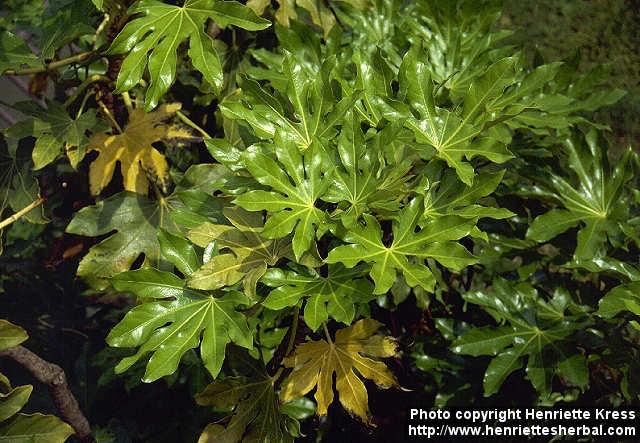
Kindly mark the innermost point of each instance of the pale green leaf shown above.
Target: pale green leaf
(34, 428)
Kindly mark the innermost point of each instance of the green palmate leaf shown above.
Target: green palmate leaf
(575, 371)
(409, 248)
(450, 137)
(334, 296)
(12, 402)
(623, 298)
(501, 367)
(55, 131)
(34, 428)
(15, 54)
(178, 251)
(315, 110)
(297, 181)
(464, 56)
(11, 335)
(456, 136)
(446, 195)
(535, 330)
(160, 31)
(596, 201)
(459, 36)
(18, 186)
(485, 341)
(135, 220)
(320, 14)
(205, 177)
(64, 22)
(243, 253)
(570, 93)
(192, 203)
(362, 183)
(607, 265)
(486, 91)
(256, 412)
(176, 320)
(374, 77)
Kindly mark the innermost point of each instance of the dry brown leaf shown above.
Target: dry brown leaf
(134, 151)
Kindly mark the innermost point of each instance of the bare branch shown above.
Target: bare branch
(53, 376)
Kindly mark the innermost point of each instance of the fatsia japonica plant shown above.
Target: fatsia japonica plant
(283, 208)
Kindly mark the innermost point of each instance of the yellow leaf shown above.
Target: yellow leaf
(315, 362)
(286, 12)
(244, 253)
(258, 6)
(320, 14)
(134, 151)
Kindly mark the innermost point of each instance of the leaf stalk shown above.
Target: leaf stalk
(76, 58)
(15, 217)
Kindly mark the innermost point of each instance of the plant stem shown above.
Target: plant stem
(326, 332)
(82, 86)
(77, 58)
(127, 101)
(34, 204)
(101, 27)
(293, 331)
(190, 122)
(84, 102)
(108, 113)
(53, 376)
(158, 193)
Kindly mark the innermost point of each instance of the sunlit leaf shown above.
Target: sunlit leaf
(315, 362)
(296, 181)
(409, 249)
(11, 335)
(153, 38)
(173, 320)
(243, 253)
(134, 151)
(335, 295)
(595, 200)
(35, 428)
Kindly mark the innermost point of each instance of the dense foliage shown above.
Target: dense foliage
(281, 209)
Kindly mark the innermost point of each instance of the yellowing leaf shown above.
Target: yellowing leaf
(286, 12)
(258, 6)
(244, 254)
(315, 362)
(133, 149)
(11, 335)
(320, 14)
